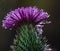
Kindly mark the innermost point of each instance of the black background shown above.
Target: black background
(52, 31)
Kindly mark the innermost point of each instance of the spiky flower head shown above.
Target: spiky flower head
(24, 15)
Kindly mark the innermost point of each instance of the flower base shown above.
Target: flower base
(27, 40)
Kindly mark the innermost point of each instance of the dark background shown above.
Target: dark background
(52, 31)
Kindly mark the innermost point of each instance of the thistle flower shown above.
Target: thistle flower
(24, 15)
(24, 40)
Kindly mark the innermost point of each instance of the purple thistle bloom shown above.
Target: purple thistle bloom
(24, 15)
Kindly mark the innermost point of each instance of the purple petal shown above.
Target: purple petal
(24, 15)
